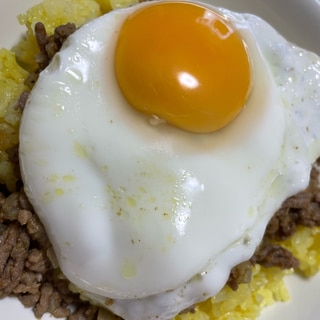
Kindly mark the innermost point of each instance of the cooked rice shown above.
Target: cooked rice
(267, 285)
(12, 78)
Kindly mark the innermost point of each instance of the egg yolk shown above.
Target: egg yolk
(183, 63)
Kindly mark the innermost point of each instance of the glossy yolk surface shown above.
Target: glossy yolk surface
(183, 63)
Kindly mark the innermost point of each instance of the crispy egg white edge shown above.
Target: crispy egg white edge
(216, 270)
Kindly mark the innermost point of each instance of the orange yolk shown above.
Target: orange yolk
(183, 63)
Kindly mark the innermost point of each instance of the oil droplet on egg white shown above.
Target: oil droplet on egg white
(128, 270)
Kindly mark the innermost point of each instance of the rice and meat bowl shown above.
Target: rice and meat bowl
(303, 217)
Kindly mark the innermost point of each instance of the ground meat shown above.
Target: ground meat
(29, 82)
(273, 255)
(25, 268)
(50, 45)
(301, 209)
(242, 273)
(23, 98)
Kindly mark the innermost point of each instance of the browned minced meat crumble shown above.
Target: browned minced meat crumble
(27, 264)
(28, 267)
(48, 47)
(302, 209)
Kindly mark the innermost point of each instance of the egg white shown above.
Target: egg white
(149, 215)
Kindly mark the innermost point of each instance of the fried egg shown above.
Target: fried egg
(155, 168)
